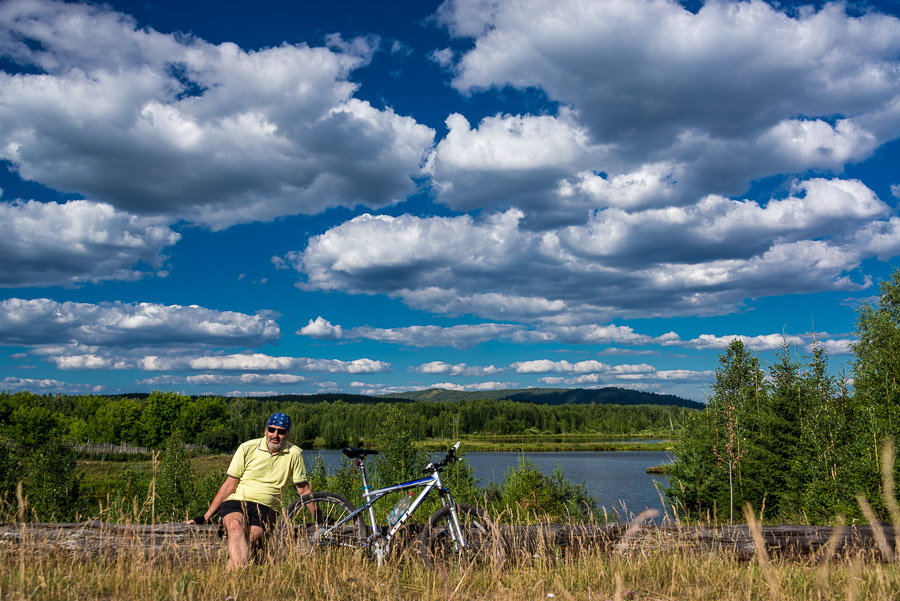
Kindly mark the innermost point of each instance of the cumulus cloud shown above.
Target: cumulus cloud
(593, 334)
(458, 369)
(274, 379)
(65, 244)
(766, 342)
(253, 368)
(321, 329)
(263, 362)
(443, 57)
(718, 115)
(44, 321)
(702, 259)
(642, 379)
(171, 125)
(510, 160)
(44, 385)
(474, 387)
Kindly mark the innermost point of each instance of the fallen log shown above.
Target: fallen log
(177, 540)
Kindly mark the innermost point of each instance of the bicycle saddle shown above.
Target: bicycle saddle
(353, 452)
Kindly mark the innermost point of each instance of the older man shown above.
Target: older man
(249, 498)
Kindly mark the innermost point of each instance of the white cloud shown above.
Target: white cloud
(44, 385)
(766, 342)
(480, 386)
(321, 329)
(274, 379)
(263, 362)
(176, 126)
(508, 161)
(836, 347)
(469, 335)
(443, 57)
(53, 244)
(43, 321)
(458, 369)
(614, 62)
(702, 259)
(644, 380)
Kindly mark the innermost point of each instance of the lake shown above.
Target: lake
(616, 479)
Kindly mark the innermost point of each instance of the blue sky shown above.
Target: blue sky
(379, 197)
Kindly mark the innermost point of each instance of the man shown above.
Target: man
(259, 472)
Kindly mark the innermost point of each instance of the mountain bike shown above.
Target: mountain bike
(454, 530)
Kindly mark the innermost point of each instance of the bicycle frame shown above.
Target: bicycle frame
(432, 482)
(428, 484)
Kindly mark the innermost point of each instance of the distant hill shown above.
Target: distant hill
(556, 396)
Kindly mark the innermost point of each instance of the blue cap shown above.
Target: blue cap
(279, 420)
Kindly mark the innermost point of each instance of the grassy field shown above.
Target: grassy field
(102, 477)
(185, 573)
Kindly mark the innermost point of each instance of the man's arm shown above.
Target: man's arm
(303, 488)
(225, 490)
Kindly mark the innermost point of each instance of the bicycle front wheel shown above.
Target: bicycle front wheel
(482, 538)
(317, 517)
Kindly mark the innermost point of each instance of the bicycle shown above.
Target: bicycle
(456, 529)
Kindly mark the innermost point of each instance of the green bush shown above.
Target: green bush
(220, 440)
(174, 482)
(10, 475)
(528, 494)
(51, 484)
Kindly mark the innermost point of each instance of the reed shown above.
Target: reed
(139, 573)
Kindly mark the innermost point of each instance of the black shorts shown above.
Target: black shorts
(256, 514)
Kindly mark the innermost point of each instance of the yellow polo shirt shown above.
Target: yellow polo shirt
(263, 475)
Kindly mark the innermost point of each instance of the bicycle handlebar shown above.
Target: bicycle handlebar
(448, 458)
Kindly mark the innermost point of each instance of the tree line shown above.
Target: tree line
(792, 439)
(221, 423)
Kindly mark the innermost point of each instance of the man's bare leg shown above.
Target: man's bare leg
(238, 546)
(257, 540)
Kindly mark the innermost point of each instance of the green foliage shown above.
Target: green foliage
(51, 482)
(160, 415)
(116, 420)
(796, 443)
(222, 423)
(219, 440)
(10, 475)
(398, 459)
(174, 482)
(528, 494)
(31, 424)
(204, 491)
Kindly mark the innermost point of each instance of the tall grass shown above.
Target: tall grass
(191, 572)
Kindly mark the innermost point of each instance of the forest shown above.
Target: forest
(796, 442)
(219, 423)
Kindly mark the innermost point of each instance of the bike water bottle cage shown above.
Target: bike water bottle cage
(353, 452)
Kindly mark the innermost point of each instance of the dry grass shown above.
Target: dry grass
(189, 571)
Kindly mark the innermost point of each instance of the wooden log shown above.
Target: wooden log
(97, 538)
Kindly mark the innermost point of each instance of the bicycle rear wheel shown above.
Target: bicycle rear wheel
(483, 541)
(316, 529)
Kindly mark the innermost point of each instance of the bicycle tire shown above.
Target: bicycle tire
(331, 509)
(483, 540)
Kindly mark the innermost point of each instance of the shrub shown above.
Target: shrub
(175, 481)
(51, 484)
(10, 474)
(525, 489)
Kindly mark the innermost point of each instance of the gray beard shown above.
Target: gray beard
(273, 447)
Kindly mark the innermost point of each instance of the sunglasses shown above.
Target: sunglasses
(274, 430)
